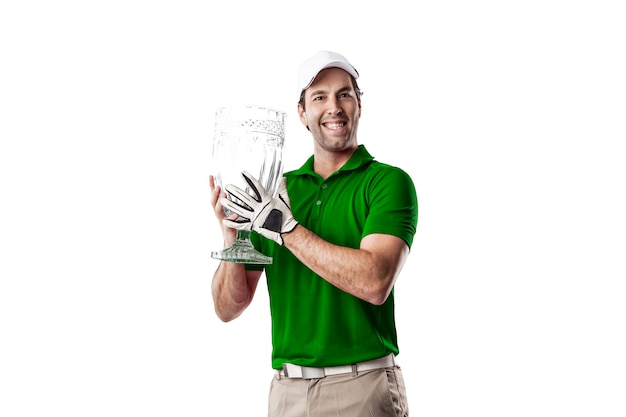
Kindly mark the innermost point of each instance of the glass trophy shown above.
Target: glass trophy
(247, 138)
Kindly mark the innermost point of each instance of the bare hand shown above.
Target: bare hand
(216, 193)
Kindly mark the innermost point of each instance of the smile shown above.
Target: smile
(335, 125)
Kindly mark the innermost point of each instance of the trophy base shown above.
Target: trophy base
(242, 251)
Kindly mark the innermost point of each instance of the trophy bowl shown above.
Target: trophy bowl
(247, 138)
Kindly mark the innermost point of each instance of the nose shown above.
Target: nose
(334, 107)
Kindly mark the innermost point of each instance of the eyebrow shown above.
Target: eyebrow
(341, 90)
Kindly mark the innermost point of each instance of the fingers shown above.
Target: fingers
(216, 195)
(282, 191)
(215, 191)
(230, 222)
(282, 185)
(235, 208)
(241, 195)
(259, 190)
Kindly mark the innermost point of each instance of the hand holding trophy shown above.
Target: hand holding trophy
(247, 139)
(269, 216)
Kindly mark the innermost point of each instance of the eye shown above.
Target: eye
(318, 98)
(344, 95)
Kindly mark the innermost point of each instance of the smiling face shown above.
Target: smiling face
(332, 111)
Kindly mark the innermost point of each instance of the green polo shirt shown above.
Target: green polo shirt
(313, 322)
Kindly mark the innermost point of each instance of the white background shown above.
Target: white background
(508, 115)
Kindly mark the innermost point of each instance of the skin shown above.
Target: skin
(331, 113)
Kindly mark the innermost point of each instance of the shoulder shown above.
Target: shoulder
(383, 173)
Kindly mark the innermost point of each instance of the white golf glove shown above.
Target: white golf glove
(267, 215)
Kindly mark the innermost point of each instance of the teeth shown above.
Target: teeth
(334, 125)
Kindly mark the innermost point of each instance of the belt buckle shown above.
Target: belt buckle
(296, 371)
(292, 371)
(312, 373)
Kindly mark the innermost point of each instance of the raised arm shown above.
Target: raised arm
(233, 287)
(368, 272)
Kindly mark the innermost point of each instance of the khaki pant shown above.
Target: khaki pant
(376, 393)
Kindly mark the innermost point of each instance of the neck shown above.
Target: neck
(326, 162)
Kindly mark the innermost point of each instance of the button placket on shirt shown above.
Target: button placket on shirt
(320, 193)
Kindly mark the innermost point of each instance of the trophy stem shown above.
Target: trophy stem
(242, 251)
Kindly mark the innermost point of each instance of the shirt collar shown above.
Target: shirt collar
(359, 158)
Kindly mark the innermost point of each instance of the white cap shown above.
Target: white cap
(322, 60)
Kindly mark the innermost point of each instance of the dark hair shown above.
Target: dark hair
(357, 90)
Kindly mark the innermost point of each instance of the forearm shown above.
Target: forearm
(231, 290)
(233, 287)
(360, 272)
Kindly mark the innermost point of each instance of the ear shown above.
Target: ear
(302, 115)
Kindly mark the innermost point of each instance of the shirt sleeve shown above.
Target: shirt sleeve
(393, 205)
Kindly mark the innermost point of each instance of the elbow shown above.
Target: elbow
(380, 282)
(227, 315)
(377, 299)
(378, 295)
(379, 289)
(225, 318)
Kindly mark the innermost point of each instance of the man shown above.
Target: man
(339, 232)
